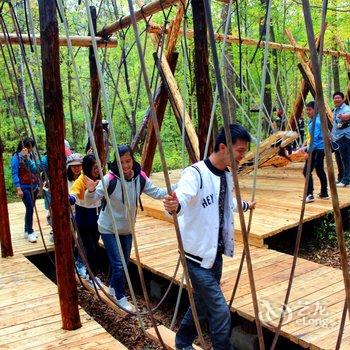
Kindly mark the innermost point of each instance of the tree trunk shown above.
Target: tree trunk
(95, 100)
(54, 117)
(229, 75)
(335, 70)
(267, 94)
(5, 233)
(201, 69)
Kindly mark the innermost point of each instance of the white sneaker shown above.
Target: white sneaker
(32, 237)
(342, 184)
(25, 234)
(309, 198)
(111, 292)
(51, 239)
(81, 269)
(124, 304)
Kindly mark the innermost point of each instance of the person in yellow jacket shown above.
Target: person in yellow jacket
(86, 215)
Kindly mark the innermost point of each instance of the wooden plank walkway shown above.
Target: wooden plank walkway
(29, 306)
(317, 298)
(316, 301)
(21, 245)
(279, 198)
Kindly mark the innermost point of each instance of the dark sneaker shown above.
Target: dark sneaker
(323, 196)
(309, 198)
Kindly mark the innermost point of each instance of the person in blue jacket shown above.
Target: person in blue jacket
(25, 179)
(315, 150)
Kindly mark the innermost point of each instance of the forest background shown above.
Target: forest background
(127, 99)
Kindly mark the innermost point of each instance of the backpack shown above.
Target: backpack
(113, 179)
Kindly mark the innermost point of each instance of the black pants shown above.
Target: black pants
(86, 220)
(317, 157)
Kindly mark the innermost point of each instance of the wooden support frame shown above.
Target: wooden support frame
(80, 41)
(160, 103)
(308, 73)
(146, 11)
(54, 117)
(298, 105)
(5, 233)
(347, 64)
(253, 42)
(191, 139)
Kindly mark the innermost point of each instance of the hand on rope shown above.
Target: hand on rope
(171, 203)
(252, 204)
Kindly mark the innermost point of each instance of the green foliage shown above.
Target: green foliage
(325, 229)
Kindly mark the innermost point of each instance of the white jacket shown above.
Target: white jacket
(198, 195)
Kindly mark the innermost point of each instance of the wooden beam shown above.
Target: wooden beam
(160, 103)
(95, 90)
(308, 72)
(175, 30)
(80, 41)
(178, 103)
(201, 71)
(5, 233)
(54, 117)
(231, 39)
(146, 11)
(347, 64)
(298, 105)
(161, 98)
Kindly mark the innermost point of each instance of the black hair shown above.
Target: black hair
(311, 104)
(122, 150)
(237, 131)
(25, 143)
(338, 93)
(88, 163)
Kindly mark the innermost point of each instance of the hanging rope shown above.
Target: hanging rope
(234, 169)
(165, 170)
(84, 105)
(298, 239)
(256, 158)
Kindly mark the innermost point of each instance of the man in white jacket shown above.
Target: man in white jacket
(205, 204)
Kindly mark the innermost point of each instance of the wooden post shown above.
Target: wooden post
(201, 70)
(160, 104)
(5, 233)
(95, 98)
(53, 104)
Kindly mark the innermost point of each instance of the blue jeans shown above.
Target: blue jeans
(28, 200)
(117, 280)
(210, 305)
(344, 152)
